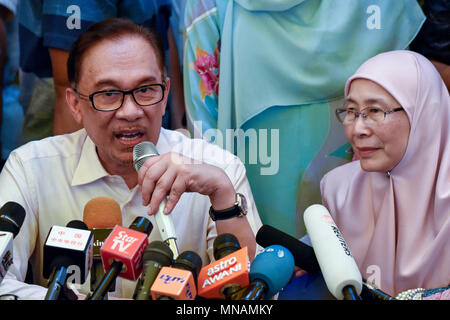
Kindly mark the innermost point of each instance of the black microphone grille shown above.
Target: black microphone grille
(303, 254)
(141, 152)
(225, 244)
(142, 224)
(12, 216)
(158, 251)
(77, 224)
(189, 260)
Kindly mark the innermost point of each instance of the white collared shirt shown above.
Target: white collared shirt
(55, 177)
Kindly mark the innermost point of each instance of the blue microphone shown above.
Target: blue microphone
(270, 271)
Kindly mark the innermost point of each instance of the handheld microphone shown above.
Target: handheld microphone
(66, 248)
(229, 273)
(101, 215)
(270, 271)
(304, 255)
(122, 254)
(156, 255)
(339, 269)
(178, 282)
(141, 152)
(12, 216)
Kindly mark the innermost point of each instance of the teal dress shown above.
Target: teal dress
(263, 78)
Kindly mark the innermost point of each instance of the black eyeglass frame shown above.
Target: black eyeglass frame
(338, 111)
(124, 93)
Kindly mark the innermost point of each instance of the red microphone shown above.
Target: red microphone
(122, 254)
(229, 273)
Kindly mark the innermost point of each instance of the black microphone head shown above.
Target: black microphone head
(12, 216)
(142, 224)
(225, 244)
(77, 224)
(190, 261)
(141, 152)
(159, 252)
(304, 255)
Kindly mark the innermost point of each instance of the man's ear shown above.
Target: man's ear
(166, 96)
(74, 104)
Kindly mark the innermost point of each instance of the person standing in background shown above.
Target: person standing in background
(11, 112)
(264, 78)
(47, 30)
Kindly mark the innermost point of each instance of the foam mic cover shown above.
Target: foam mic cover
(273, 269)
(12, 216)
(338, 267)
(304, 255)
(229, 273)
(156, 255)
(102, 212)
(141, 152)
(225, 244)
(178, 282)
(101, 215)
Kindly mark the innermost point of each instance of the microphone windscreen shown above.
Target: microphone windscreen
(224, 244)
(304, 255)
(190, 261)
(142, 224)
(102, 212)
(159, 252)
(77, 224)
(12, 216)
(337, 264)
(274, 266)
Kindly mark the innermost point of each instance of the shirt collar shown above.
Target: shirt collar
(89, 167)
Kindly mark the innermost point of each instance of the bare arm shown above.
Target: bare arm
(174, 174)
(63, 122)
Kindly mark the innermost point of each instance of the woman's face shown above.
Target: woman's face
(379, 145)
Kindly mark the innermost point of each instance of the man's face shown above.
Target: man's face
(123, 64)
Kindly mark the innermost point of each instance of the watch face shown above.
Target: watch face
(242, 202)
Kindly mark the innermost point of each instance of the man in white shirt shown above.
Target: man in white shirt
(119, 93)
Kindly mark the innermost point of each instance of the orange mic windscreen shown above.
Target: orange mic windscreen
(102, 212)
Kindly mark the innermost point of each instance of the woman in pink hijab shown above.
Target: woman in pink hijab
(393, 205)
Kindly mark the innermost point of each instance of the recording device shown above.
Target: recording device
(141, 152)
(229, 273)
(12, 216)
(66, 250)
(101, 215)
(179, 281)
(122, 254)
(304, 255)
(270, 271)
(156, 256)
(339, 269)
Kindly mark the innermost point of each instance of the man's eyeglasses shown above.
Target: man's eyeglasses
(373, 114)
(110, 100)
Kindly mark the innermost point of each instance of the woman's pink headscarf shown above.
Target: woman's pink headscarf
(398, 227)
